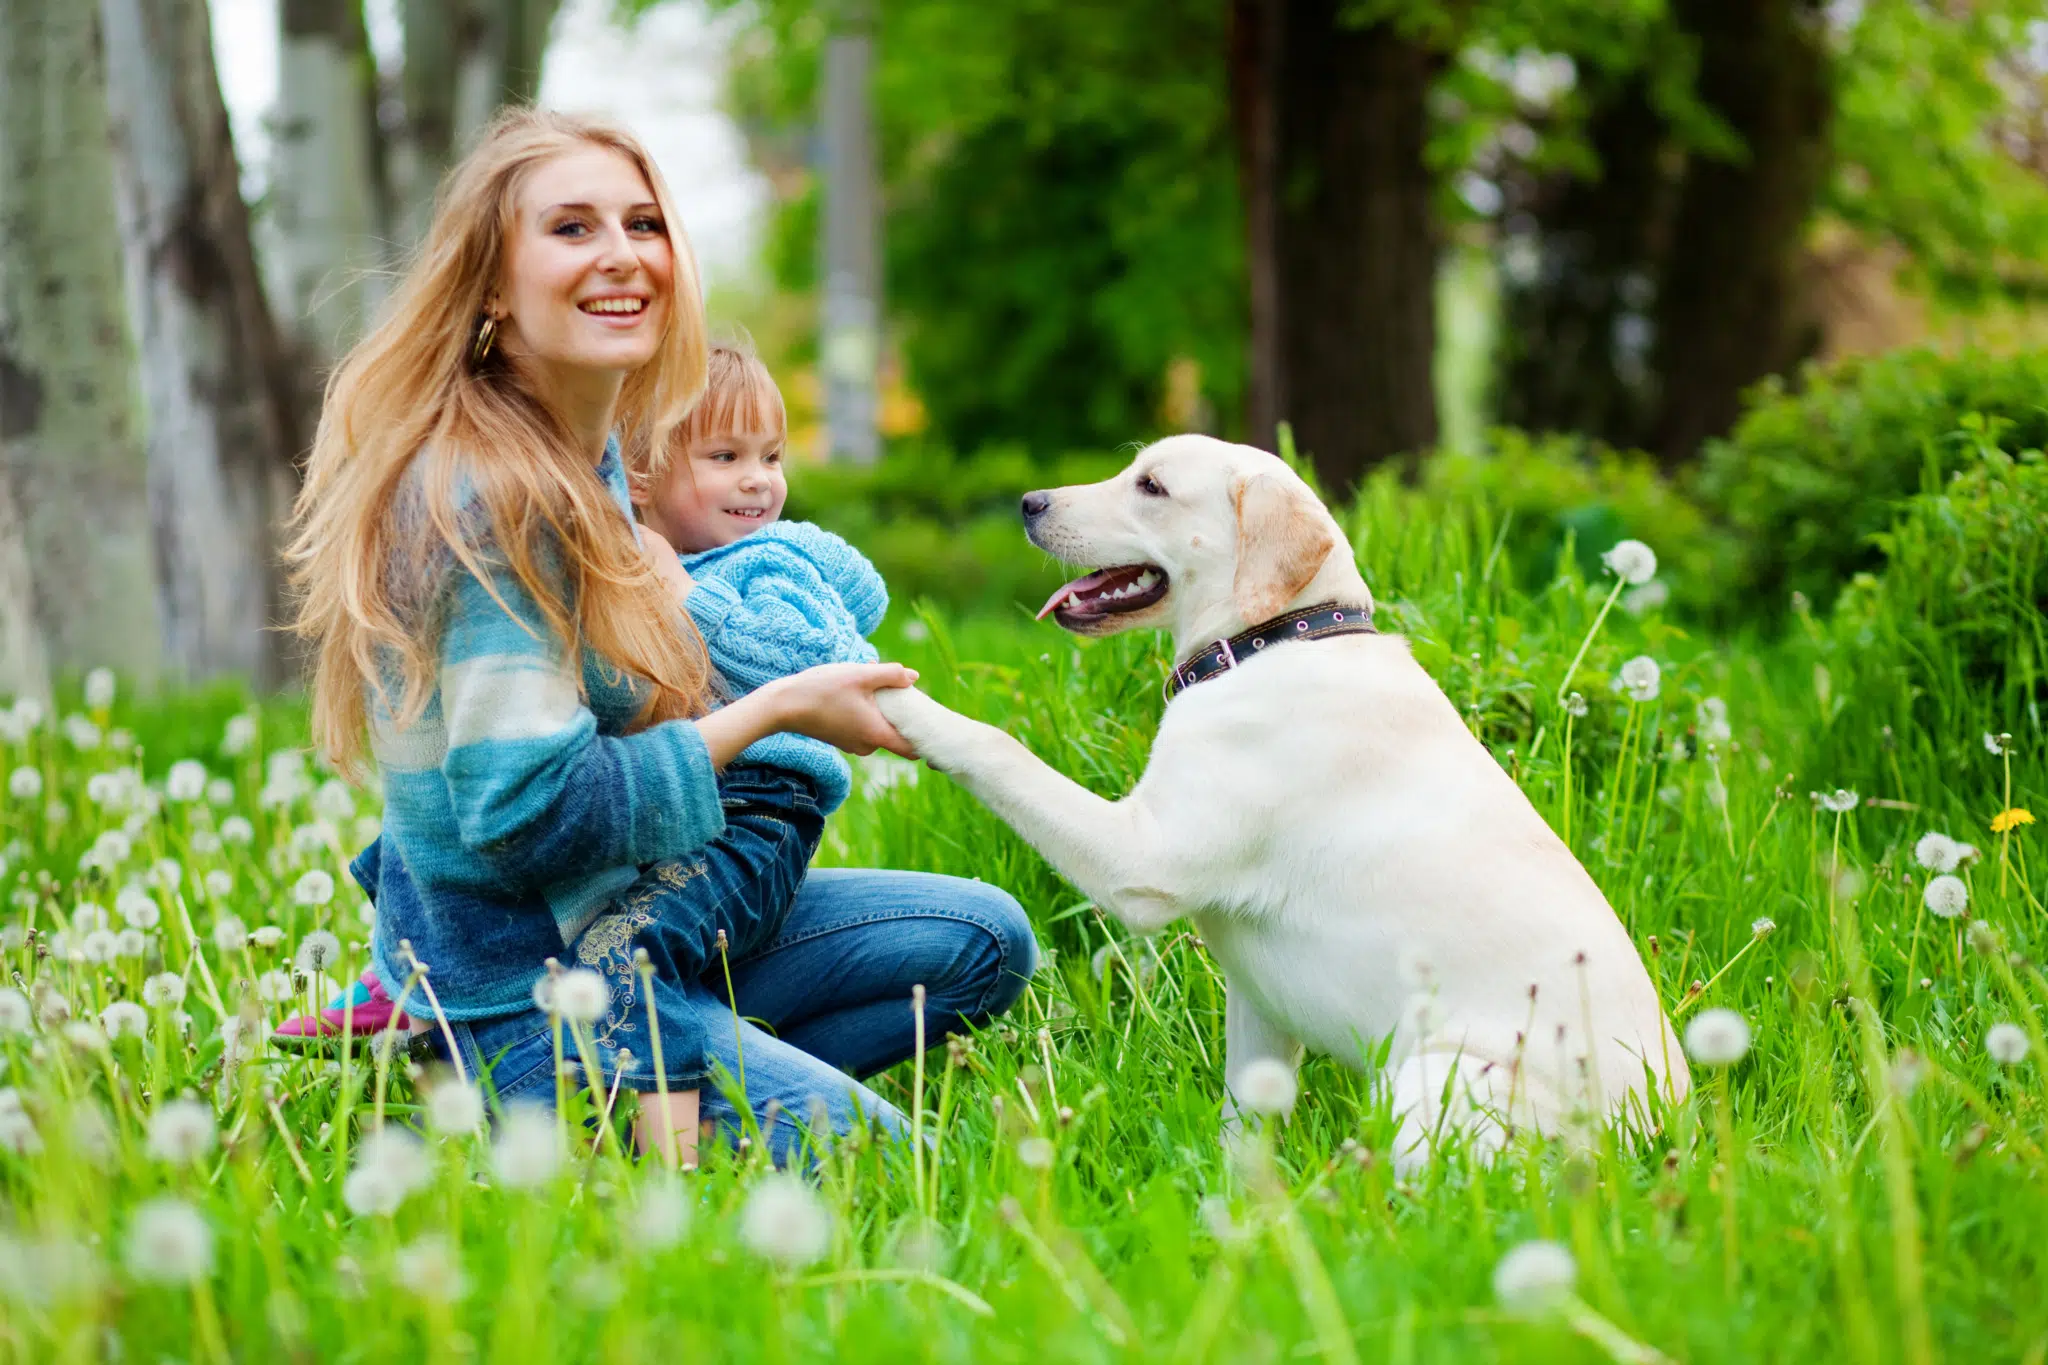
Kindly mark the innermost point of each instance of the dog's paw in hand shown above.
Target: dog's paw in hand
(932, 730)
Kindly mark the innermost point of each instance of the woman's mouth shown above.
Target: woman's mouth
(614, 309)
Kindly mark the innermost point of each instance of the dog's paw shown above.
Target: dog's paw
(938, 734)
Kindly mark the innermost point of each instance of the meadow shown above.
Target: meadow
(1858, 1176)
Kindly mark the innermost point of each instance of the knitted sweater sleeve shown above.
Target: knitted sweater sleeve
(536, 792)
(768, 607)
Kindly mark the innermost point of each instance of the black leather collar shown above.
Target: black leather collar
(1310, 623)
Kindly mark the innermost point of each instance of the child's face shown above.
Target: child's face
(721, 486)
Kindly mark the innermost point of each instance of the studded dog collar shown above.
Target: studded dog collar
(1310, 623)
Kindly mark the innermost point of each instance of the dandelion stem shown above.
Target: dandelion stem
(917, 1103)
(1587, 643)
(739, 1046)
(665, 1140)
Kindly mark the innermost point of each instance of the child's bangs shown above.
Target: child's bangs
(742, 399)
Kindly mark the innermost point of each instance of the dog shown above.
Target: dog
(1371, 882)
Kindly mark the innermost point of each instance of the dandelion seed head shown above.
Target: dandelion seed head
(1535, 1277)
(275, 987)
(1575, 705)
(220, 792)
(661, 1218)
(138, 907)
(83, 734)
(318, 951)
(219, 882)
(186, 781)
(1998, 746)
(1840, 801)
(25, 783)
(784, 1221)
(169, 1242)
(431, 1269)
(16, 1014)
(99, 946)
(1937, 852)
(1646, 597)
(2007, 1043)
(1907, 1070)
(230, 935)
(1036, 1153)
(239, 736)
(130, 944)
(454, 1108)
(1946, 896)
(181, 1131)
(1760, 927)
(1717, 1037)
(314, 888)
(581, 996)
(529, 1148)
(267, 935)
(165, 990)
(390, 1165)
(125, 1019)
(1631, 561)
(1711, 716)
(1266, 1085)
(1640, 678)
(237, 830)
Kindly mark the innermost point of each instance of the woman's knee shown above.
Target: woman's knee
(1012, 947)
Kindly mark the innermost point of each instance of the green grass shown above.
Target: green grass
(1866, 1185)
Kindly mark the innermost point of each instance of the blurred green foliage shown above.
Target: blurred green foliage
(1812, 473)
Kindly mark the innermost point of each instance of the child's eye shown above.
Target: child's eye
(723, 456)
(772, 457)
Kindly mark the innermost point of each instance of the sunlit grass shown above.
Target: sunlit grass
(1866, 1182)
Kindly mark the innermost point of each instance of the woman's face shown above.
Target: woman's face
(589, 276)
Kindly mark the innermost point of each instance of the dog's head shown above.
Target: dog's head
(1199, 537)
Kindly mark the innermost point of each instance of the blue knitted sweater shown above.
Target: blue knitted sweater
(776, 602)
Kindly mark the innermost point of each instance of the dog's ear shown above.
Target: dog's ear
(1281, 543)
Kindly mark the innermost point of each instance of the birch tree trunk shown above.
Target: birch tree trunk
(463, 60)
(69, 446)
(24, 671)
(326, 237)
(221, 430)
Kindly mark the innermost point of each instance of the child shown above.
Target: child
(770, 598)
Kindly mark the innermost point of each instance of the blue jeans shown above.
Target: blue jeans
(823, 1002)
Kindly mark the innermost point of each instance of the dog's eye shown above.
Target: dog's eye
(1151, 487)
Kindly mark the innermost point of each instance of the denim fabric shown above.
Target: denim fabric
(826, 1000)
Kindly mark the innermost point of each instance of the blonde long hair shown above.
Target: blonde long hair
(497, 469)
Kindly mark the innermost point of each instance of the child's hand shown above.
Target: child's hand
(667, 566)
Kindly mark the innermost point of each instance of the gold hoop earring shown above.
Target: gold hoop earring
(486, 337)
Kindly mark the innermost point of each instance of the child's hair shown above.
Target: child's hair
(739, 395)
(416, 390)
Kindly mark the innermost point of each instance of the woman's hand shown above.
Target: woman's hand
(667, 566)
(836, 703)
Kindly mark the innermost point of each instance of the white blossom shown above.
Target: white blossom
(529, 1148)
(2007, 1043)
(239, 736)
(169, 1242)
(1266, 1085)
(784, 1221)
(1717, 1037)
(186, 781)
(99, 688)
(454, 1108)
(181, 1131)
(581, 996)
(1535, 1277)
(230, 935)
(1640, 678)
(165, 990)
(314, 888)
(391, 1164)
(1946, 896)
(25, 783)
(318, 951)
(124, 1019)
(1631, 561)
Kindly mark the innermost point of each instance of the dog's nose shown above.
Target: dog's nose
(1035, 505)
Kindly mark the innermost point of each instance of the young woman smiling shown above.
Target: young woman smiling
(540, 709)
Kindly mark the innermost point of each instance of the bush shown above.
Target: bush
(1810, 476)
(1959, 607)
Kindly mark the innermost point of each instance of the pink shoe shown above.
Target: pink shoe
(372, 1012)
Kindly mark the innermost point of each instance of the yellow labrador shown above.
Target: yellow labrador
(1356, 861)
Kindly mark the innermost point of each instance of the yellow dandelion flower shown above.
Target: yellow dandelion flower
(2011, 819)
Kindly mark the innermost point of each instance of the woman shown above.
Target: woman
(535, 701)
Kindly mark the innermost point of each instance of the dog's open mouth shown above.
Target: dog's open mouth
(1106, 592)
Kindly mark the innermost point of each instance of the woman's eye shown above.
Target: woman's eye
(1149, 486)
(646, 224)
(571, 228)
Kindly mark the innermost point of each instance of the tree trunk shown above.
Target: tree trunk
(1331, 124)
(1577, 291)
(1727, 297)
(69, 448)
(463, 59)
(24, 671)
(325, 232)
(219, 394)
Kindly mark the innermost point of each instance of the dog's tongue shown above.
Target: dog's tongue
(1085, 583)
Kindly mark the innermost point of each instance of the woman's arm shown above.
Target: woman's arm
(833, 702)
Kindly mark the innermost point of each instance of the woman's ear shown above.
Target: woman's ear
(640, 487)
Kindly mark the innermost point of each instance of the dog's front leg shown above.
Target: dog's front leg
(1112, 850)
